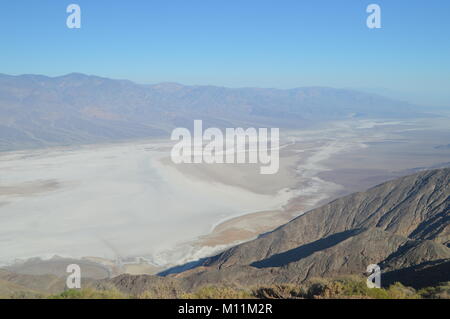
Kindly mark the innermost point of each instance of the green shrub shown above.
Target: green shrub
(398, 291)
(286, 291)
(440, 292)
(89, 293)
(212, 292)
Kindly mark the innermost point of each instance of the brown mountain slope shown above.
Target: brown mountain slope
(402, 225)
(13, 284)
(415, 207)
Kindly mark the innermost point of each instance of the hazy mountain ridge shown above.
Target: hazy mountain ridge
(37, 110)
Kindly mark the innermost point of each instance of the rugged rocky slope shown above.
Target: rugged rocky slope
(402, 225)
(19, 285)
(380, 220)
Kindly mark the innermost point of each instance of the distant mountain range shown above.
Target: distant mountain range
(37, 110)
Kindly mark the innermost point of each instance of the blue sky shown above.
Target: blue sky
(262, 43)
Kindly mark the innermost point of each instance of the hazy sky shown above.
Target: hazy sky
(237, 43)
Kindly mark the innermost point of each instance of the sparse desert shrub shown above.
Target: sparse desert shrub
(399, 291)
(160, 292)
(316, 289)
(440, 292)
(341, 288)
(329, 288)
(147, 295)
(89, 293)
(23, 295)
(212, 292)
(357, 288)
(287, 291)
